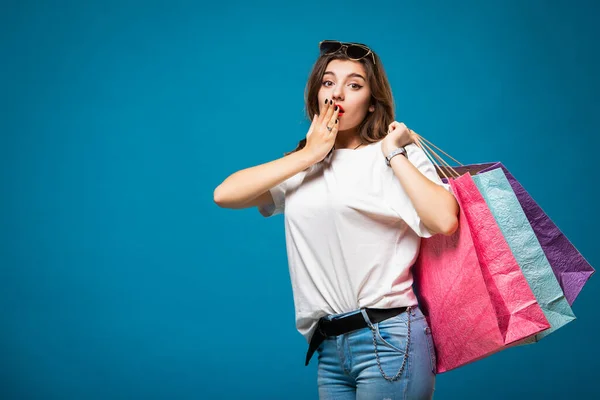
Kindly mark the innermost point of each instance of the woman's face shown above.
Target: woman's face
(344, 81)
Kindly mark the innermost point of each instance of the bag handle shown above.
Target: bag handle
(442, 165)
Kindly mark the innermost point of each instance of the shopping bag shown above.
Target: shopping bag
(570, 268)
(471, 288)
(508, 214)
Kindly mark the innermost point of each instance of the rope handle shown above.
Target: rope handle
(441, 165)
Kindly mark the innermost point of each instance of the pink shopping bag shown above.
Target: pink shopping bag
(474, 294)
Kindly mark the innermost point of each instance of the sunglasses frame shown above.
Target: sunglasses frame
(344, 47)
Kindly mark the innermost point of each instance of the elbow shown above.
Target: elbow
(219, 197)
(227, 199)
(450, 222)
(446, 226)
(450, 226)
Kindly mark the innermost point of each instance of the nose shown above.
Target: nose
(337, 94)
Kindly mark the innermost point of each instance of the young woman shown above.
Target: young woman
(357, 195)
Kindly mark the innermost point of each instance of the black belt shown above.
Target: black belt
(347, 324)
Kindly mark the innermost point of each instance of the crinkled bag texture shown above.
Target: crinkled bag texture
(471, 288)
(570, 268)
(505, 207)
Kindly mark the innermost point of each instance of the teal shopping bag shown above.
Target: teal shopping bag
(527, 250)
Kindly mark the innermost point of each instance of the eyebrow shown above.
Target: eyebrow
(353, 74)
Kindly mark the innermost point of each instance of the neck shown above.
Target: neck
(347, 140)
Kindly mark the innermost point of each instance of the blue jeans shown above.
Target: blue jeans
(348, 366)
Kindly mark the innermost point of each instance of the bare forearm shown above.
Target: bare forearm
(245, 185)
(436, 207)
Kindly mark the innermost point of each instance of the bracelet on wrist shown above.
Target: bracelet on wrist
(395, 152)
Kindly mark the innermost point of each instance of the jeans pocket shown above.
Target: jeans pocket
(392, 336)
(431, 347)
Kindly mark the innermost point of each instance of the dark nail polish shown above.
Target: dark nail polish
(326, 101)
(335, 109)
(336, 121)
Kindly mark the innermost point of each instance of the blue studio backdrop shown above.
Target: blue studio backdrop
(120, 278)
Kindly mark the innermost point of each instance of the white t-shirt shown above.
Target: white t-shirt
(352, 233)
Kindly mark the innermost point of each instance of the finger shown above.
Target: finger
(312, 125)
(334, 130)
(413, 135)
(328, 113)
(334, 115)
(324, 109)
(334, 124)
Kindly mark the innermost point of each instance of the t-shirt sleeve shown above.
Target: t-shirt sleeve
(278, 205)
(398, 198)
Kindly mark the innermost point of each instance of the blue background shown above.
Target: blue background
(120, 277)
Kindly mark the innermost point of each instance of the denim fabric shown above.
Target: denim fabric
(348, 367)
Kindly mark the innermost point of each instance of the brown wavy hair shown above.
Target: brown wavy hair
(374, 127)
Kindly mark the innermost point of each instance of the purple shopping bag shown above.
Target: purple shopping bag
(570, 268)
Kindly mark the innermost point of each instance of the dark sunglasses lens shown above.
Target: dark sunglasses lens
(356, 51)
(330, 47)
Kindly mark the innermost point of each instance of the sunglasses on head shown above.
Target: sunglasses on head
(354, 51)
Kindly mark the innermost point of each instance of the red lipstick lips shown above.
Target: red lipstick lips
(341, 110)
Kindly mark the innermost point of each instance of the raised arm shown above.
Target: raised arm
(248, 187)
(241, 188)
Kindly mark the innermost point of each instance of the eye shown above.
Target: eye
(326, 82)
(356, 85)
